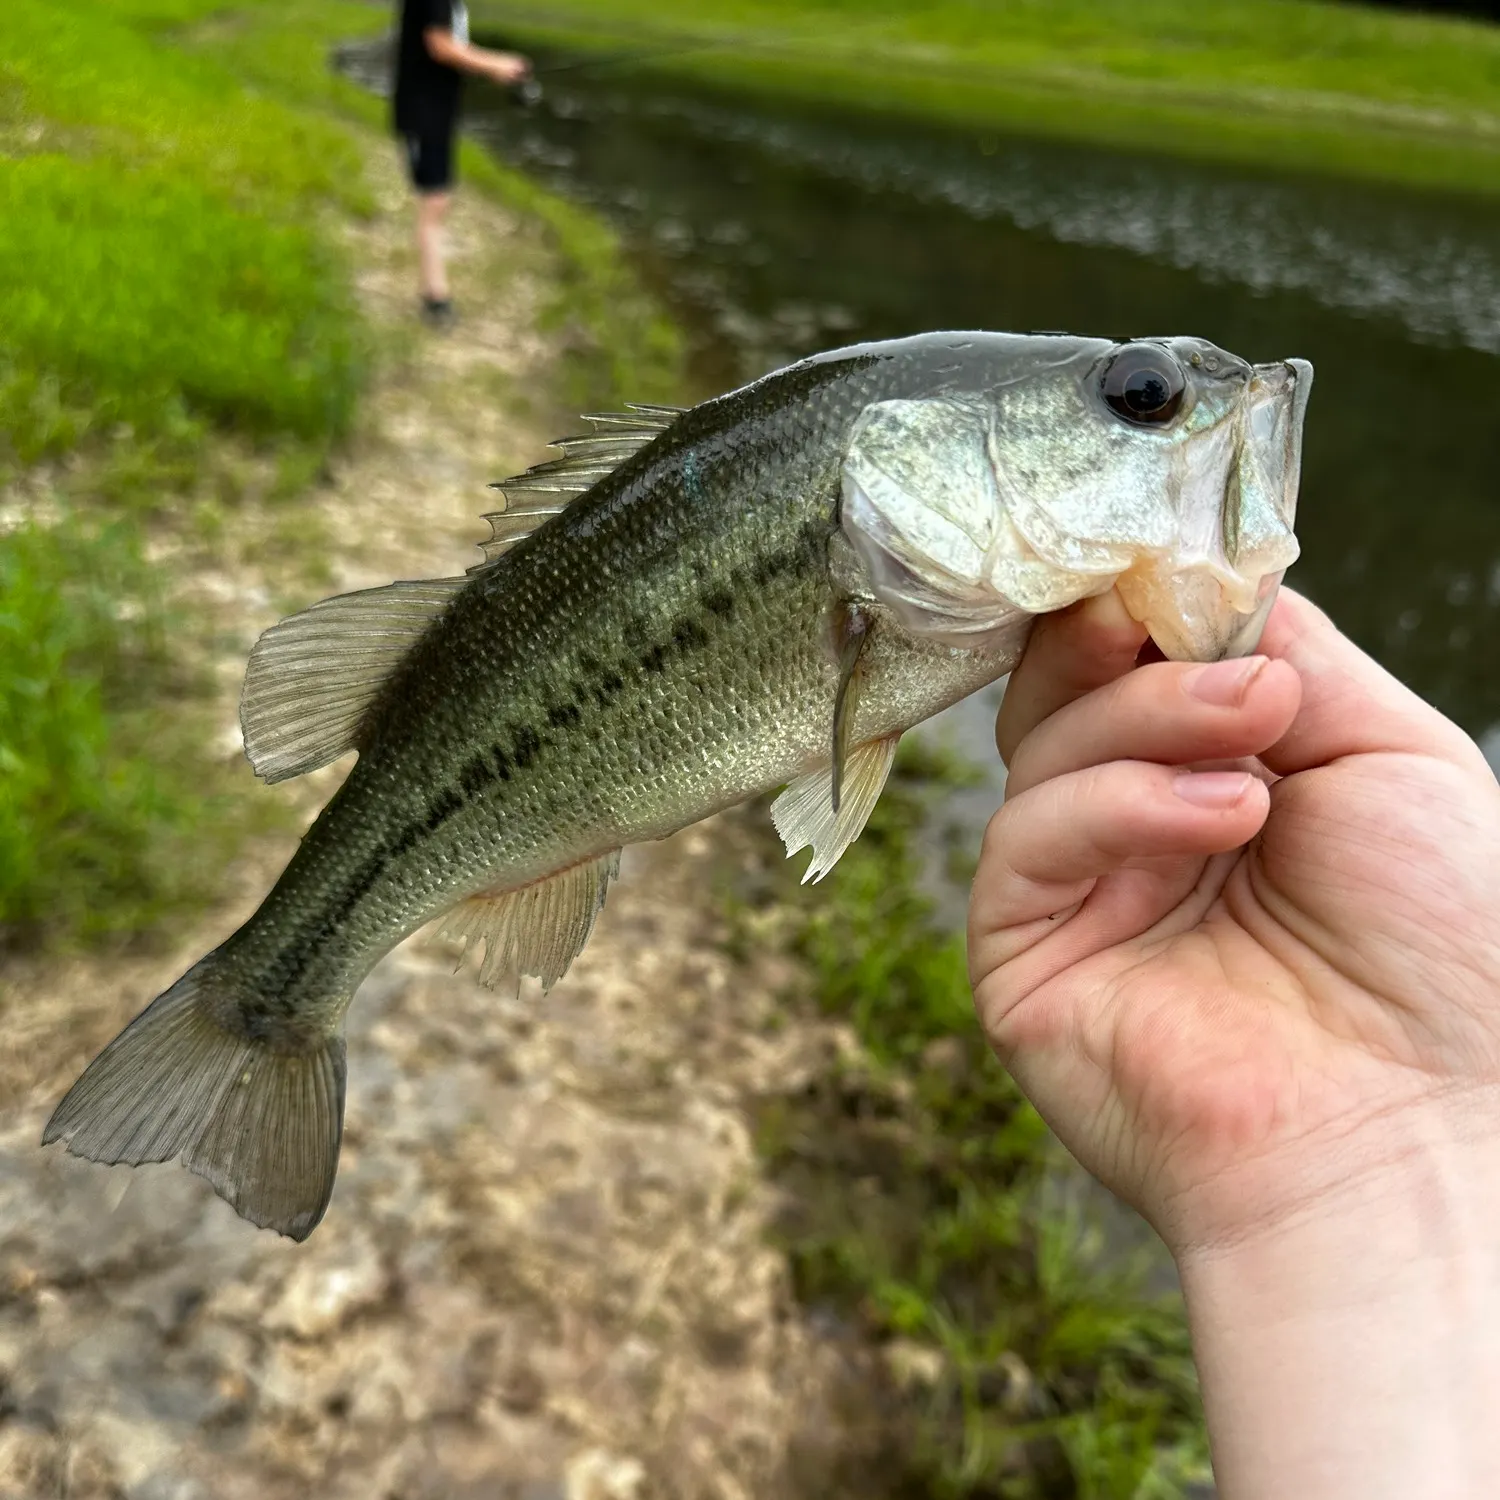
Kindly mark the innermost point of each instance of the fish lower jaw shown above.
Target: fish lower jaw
(1203, 613)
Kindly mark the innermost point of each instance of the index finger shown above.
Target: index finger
(1070, 653)
(1350, 704)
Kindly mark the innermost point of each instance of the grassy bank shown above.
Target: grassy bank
(1297, 84)
(173, 327)
(928, 1208)
(180, 344)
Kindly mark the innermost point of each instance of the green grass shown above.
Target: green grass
(613, 342)
(100, 833)
(1298, 84)
(178, 331)
(929, 1204)
(167, 283)
(158, 267)
(135, 296)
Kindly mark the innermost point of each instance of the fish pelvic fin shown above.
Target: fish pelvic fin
(538, 928)
(261, 1120)
(312, 678)
(804, 812)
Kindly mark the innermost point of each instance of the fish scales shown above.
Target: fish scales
(657, 654)
(681, 636)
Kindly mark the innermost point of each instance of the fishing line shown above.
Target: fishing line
(528, 93)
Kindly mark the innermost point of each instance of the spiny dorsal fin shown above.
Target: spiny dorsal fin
(803, 813)
(545, 489)
(312, 677)
(539, 928)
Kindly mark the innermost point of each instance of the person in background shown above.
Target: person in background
(433, 53)
(1236, 931)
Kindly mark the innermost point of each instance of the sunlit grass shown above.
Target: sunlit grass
(1301, 84)
(157, 262)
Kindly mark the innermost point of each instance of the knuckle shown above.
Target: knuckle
(991, 845)
(1019, 774)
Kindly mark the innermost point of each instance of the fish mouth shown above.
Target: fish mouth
(1210, 598)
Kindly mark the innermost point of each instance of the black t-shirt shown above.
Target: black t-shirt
(427, 91)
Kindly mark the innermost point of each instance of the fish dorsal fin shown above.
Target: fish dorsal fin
(536, 929)
(312, 677)
(546, 489)
(803, 813)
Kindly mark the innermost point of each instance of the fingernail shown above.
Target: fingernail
(1223, 683)
(1212, 788)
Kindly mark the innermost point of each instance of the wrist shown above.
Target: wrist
(1354, 1349)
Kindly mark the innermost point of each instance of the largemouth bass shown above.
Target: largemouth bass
(687, 609)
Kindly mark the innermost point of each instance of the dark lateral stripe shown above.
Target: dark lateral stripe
(478, 773)
(689, 635)
(444, 805)
(525, 746)
(520, 745)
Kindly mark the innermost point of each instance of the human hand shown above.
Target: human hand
(1241, 997)
(508, 67)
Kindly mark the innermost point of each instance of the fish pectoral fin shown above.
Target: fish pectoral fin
(546, 489)
(312, 678)
(803, 813)
(852, 626)
(261, 1120)
(538, 928)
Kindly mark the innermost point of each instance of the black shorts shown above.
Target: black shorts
(430, 159)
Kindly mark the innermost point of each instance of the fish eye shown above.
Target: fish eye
(1144, 384)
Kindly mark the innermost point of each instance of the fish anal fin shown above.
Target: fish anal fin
(803, 813)
(851, 630)
(538, 928)
(312, 678)
(261, 1120)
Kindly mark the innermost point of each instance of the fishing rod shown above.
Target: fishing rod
(528, 92)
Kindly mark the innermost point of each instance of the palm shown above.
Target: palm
(1198, 1014)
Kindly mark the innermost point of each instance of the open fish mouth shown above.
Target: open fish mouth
(1165, 468)
(1209, 597)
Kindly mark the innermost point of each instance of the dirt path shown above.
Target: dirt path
(544, 1271)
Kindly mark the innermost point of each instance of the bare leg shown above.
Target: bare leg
(432, 210)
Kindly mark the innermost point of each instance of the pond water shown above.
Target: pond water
(773, 232)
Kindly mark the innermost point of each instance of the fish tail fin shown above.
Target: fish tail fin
(261, 1119)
